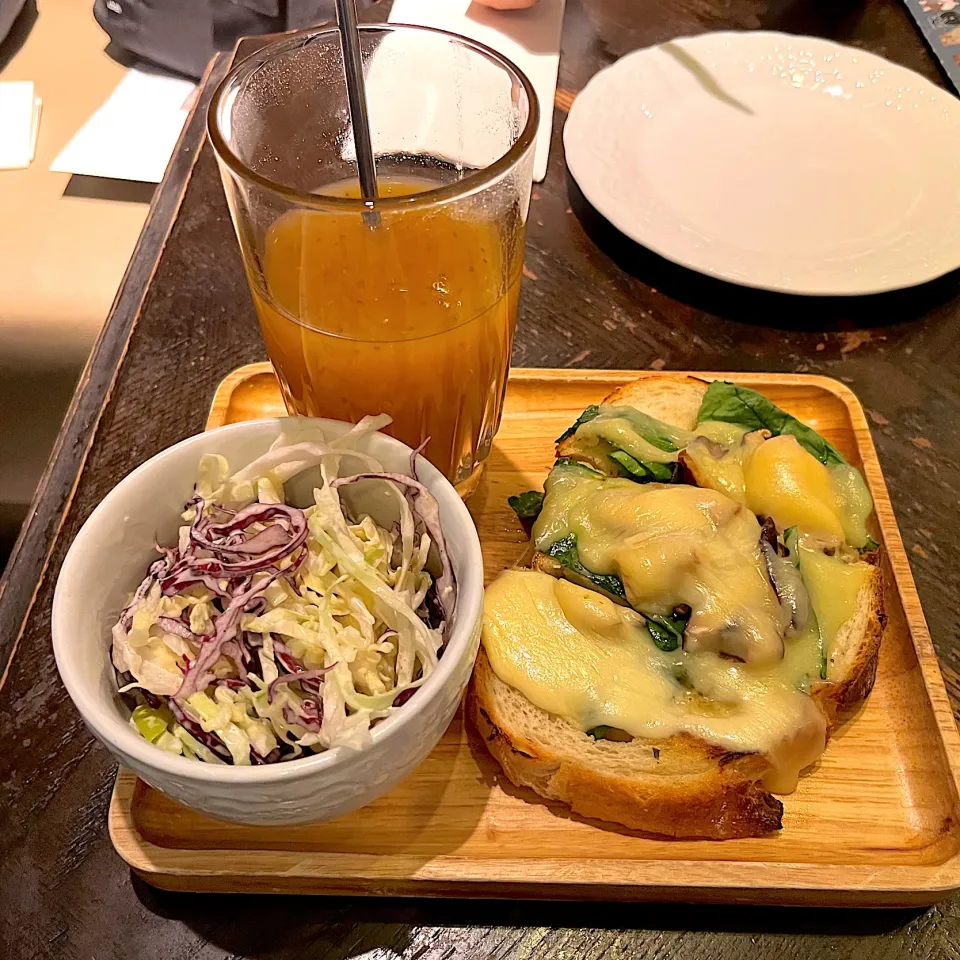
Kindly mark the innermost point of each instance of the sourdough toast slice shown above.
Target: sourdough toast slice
(679, 787)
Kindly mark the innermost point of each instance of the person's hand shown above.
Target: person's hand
(506, 4)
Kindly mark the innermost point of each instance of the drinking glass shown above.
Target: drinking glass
(406, 305)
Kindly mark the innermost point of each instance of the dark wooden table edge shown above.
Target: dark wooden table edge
(26, 567)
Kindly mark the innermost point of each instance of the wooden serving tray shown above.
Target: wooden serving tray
(876, 823)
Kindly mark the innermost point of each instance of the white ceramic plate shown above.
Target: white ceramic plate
(787, 163)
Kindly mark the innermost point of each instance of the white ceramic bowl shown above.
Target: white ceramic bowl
(107, 561)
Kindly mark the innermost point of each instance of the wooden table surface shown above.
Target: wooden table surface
(183, 319)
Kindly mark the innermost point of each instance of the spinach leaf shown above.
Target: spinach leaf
(645, 472)
(661, 435)
(869, 546)
(661, 443)
(591, 413)
(599, 733)
(729, 403)
(791, 541)
(667, 632)
(527, 506)
(682, 676)
(604, 732)
(564, 551)
(648, 428)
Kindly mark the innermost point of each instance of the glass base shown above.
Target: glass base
(465, 487)
(469, 485)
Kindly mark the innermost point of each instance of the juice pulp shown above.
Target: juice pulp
(413, 317)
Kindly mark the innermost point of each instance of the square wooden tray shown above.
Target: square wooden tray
(876, 823)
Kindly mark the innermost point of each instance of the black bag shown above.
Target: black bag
(183, 35)
(9, 11)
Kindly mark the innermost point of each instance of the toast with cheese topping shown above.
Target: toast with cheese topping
(677, 654)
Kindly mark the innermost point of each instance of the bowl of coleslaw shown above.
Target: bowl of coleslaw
(274, 621)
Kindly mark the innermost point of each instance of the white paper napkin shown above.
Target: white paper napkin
(19, 124)
(132, 136)
(530, 38)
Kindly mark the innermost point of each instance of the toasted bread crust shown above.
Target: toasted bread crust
(672, 398)
(703, 793)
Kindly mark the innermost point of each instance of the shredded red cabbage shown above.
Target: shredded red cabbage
(413, 458)
(177, 627)
(200, 673)
(308, 716)
(286, 533)
(298, 676)
(207, 738)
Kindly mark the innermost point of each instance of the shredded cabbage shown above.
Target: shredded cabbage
(271, 632)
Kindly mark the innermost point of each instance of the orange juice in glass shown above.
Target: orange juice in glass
(407, 308)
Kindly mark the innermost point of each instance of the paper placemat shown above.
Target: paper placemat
(19, 124)
(132, 135)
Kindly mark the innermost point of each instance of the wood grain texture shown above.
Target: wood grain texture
(589, 300)
(876, 823)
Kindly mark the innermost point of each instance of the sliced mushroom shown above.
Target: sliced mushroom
(740, 641)
(787, 584)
